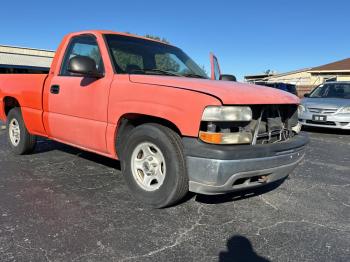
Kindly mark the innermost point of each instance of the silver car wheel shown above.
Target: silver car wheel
(14, 132)
(148, 166)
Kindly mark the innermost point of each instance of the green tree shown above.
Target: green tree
(269, 72)
(204, 70)
(163, 61)
(154, 37)
(125, 59)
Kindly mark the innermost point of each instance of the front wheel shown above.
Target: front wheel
(19, 139)
(154, 165)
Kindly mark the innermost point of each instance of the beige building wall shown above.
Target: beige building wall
(305, 81)
(343, 78)
(299, 78)
(308, 78)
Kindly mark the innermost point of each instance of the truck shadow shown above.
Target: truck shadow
(321, 130)
(46, 145)
(240, 249)
(239, 195)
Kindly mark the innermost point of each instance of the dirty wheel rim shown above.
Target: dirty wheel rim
(14, 132)
(148, 166)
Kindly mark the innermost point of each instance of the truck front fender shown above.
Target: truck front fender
(183, 108)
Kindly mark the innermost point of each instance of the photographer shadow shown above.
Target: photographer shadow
(240, 249)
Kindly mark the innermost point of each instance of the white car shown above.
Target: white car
(328, 105)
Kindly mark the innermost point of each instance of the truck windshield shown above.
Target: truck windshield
(132, 55)
(332, 90)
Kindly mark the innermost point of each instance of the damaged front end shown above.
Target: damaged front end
(244, 147)
(254, 124)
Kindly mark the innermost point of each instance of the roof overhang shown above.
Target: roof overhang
(329, 71)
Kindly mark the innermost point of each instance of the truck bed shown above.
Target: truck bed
(27, 90)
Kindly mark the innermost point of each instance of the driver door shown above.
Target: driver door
(75, 107)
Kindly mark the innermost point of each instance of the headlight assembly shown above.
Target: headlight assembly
(345, 110)
(301, 109)
(227, 113)
(222, 125)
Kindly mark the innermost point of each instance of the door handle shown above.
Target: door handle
(55, 89)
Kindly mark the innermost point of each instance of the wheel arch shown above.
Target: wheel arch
(10, 103)
(129, 121)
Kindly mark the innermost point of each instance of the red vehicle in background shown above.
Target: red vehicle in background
(149, 105)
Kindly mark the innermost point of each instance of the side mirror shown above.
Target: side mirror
(306, 95)
(84, 66)
(228, 78)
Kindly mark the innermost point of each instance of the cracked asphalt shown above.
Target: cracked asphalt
(63, 204)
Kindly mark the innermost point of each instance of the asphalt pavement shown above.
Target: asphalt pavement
(64, 204)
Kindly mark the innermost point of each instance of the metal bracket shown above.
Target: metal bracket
(256, 131)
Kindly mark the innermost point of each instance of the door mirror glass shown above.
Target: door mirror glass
(306, 95)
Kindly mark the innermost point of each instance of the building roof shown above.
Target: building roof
(267, 76)
(342, 65)
(259, 76)
(23, 56)
(291, 72)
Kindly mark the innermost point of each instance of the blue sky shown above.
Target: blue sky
(247, 36)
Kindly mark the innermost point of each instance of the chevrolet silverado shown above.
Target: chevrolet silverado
(151, 106)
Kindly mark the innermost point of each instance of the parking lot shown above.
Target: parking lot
(63, 204)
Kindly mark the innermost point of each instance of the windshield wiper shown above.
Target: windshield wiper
(165, 72)
(145, 70)
(194, 75)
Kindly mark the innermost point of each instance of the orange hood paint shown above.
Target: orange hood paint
(230, 93)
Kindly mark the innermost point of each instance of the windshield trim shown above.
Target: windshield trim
(109, 53)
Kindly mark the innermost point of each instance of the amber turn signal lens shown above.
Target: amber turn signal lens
(226, 138)
(212, 138)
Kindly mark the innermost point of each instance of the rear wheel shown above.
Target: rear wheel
(154, 165)
(19, 139)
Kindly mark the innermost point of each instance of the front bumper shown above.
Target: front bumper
(217, 169)
(338, 121)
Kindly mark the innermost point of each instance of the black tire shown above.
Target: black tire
(175, 184)
(27, 141)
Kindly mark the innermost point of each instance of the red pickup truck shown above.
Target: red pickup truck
(149, 105)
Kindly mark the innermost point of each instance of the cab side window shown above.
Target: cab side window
(85, 45)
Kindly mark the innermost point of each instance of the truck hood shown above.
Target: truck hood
(230, 93)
